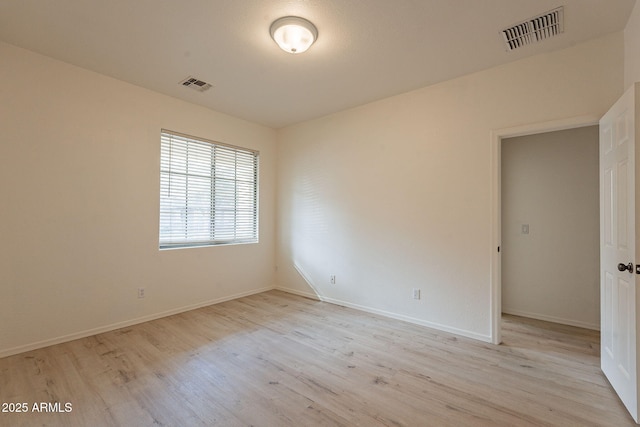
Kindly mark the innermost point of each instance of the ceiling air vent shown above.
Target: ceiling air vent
(536, 29)
(195, 84)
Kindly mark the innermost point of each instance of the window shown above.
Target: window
(208, 192)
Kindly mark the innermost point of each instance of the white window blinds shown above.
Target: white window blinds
(208, 192)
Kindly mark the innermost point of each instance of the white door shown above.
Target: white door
(618, 249)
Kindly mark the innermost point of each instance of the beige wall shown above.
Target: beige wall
(390, 196)
(550, 183)
(79, 200)
(396, 194)
(632, 48)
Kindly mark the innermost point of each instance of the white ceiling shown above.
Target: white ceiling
(366, 49)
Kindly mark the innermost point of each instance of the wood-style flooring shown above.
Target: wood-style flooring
(276, 359)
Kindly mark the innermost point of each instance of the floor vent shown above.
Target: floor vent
(195, 84)
(536, 29)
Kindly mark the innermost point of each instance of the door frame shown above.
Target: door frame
(496, 137)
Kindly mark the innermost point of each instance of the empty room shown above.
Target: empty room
(291, 213)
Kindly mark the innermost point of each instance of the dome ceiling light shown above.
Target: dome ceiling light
(293, 34)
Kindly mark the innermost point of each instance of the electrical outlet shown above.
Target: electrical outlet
(332, 278)
(416, 293)
(140, 292)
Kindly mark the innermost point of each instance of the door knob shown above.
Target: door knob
(622, 267)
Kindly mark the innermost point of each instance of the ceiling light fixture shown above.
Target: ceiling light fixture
(293, 34)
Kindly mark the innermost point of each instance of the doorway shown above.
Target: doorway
(550, 226)
(497, 138)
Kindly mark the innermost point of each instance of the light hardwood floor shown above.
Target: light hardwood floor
(275, 359)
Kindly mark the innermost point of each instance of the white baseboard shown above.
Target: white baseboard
(562, 321)
(432, 325)
(131, 322)
(299, 293)
(124, 324)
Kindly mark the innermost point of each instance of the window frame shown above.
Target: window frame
(208, 190)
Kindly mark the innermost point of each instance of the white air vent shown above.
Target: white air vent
(195, 84)
(536, 29)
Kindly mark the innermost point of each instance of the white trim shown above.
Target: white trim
(409, 319)
(551, 126)
(391, 315)
(126, 323)
(495, 257)
(299, 293)
(560, 320)
(496, 137)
